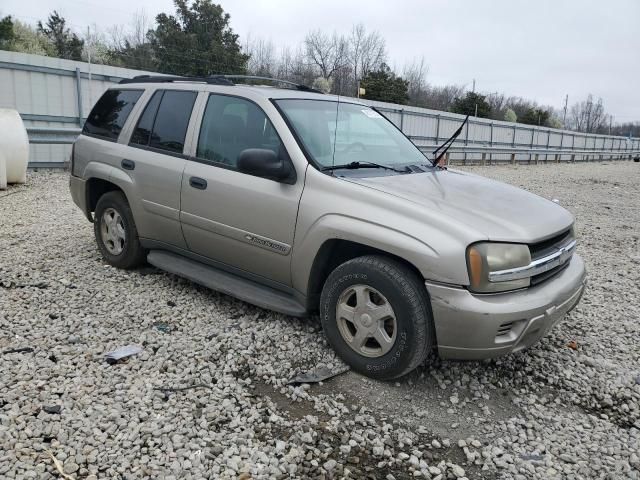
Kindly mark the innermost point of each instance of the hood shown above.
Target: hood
(494, 209)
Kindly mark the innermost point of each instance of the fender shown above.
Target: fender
(113, 175)
(432, 263)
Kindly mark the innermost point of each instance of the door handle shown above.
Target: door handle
(128, 164)
(197, 182)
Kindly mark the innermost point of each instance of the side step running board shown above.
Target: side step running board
(227, 283)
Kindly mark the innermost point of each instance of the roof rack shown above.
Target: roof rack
(214, 80)
(297, 86)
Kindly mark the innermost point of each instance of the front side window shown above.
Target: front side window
(231, 125)
(110, 113)
(163, 124)
(335, 133)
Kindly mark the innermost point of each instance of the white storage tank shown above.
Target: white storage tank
(3, 172)
(14, 147)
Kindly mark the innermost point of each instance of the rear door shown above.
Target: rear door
(241, 221)
(156, 161)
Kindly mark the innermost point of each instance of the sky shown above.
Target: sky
(541, 50)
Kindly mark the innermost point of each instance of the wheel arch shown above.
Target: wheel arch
(96, 188)
(334, 252)
(102, 182)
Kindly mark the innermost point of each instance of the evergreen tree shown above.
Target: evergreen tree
(385, 86)
(66, 43)
(6, 33)
(535, 116)
(197, 41)
(467, 105)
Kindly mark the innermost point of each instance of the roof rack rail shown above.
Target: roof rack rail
(213, 79)
(297, 86)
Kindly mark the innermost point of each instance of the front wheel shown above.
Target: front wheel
(375, 313)
(116, 232)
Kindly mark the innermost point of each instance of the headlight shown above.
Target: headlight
(483, 258)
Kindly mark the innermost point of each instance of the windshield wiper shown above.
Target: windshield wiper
(442, 149)
(357, 165)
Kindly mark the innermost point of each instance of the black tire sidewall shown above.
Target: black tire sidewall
(130, 255)
(402, 297)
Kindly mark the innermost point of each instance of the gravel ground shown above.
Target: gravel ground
(207, 397)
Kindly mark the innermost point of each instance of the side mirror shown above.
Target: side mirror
(263, 163)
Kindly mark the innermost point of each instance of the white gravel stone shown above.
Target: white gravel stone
(548, 411)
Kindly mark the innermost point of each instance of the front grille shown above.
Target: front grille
(547, 247)
(537, 279)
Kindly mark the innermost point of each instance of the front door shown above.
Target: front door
(242, 221)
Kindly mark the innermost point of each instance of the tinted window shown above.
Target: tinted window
(231, 125)
(111, 112)
(142, 133)
(172, 119)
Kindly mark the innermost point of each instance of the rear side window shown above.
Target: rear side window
(231, 125)
(142, 133)
(163, 124)
(110, 113)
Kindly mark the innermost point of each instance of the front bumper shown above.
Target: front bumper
(474, 327)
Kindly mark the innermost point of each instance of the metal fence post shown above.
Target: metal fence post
(548, 140)
(79, 96)
(573, 143)
(533, 132)
(437, 127)
(561, 145)
(513, 144)
(619, 147)
(626, 147)
(466, 142)
(402, 119)
(490, 141)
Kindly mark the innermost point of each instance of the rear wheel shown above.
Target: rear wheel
(116, 233)
(375, 313)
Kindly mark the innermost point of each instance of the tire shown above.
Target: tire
(125, 252)
(386, 281)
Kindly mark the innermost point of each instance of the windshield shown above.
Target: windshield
(341, 133)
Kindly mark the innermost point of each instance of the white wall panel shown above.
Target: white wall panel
(28, 85)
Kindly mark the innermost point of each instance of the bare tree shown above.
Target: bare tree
(262, 57)
(588, 115)
(498, 103)
(442, 98)
(292, 65)
(631, 129)
(133, 35)
(327, 52)
(367, 51)
(129, 46)
(416, 74)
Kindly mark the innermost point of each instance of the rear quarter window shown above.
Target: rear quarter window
(110, 113)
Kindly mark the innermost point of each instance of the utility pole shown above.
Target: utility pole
(473, 90)
(610, 122)
(564, 115)
(476, 114)
(89, 62)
